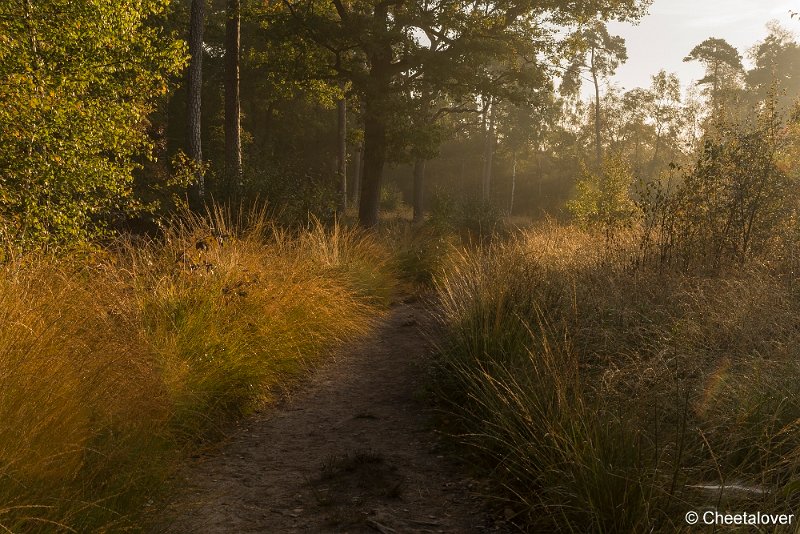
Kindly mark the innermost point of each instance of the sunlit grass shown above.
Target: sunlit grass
(113, 366)
(600, 394)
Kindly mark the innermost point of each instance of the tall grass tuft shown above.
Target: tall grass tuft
(115, 364)
(602, 396)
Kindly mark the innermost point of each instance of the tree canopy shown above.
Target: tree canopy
(463, 47)
(78, 81)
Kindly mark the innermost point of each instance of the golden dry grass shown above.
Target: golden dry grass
(115, 363)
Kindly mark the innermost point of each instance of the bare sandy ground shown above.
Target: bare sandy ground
(351, 451)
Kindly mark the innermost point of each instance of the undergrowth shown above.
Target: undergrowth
(115, 364)
(604, 396)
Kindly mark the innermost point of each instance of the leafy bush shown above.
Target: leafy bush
(443, 209)
(422, 252)
(77, 81)
(479, 222)
(391, 197)
(603, 199)
(476, 221)
(295, 198)
(735, 203)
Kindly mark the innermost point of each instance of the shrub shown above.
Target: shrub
(476, 221)
(391, 197)
(295, 198)
(736, 203)
(75, 106)
(603, 199)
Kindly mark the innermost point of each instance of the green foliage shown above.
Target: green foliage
(776, 67)
(295, 198)
(423, 252)
(603, 199)
(160, 190)
(480, 222)
(77, 82)
(723, 65)
(443, 209)
(391, 197)
(599, 52)
(469, 49)
(716, 55)
(476, 221)
(733, 204)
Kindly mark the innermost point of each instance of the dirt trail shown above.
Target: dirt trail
(352, 451)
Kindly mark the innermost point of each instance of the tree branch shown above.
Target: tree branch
(341, 10)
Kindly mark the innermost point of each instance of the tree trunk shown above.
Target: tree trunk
(374, 158)
(488, 151)
(194, 101)
(654, 161)
(357, 171)
(341, 160)
(540, 172)
(233, 126)
(419, 184)
(715, 93)
(267, 146)
(597, 126)
(513, 183)
(379, 86)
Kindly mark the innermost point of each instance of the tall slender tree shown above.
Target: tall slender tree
(663, 107)
(489, 142)
(233, 127)
(601, 54)
(357, 173)
(341, 146)
(194, 101)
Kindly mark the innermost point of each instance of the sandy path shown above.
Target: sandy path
(352, 451)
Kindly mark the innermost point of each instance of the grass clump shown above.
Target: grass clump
(113, 366)
(603, 396)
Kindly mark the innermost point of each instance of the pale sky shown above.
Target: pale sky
(673, 27)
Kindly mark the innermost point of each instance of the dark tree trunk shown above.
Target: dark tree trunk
(419, 188)
(341, 160)
(656, 150)
(267, 146)
(374, 158)
(194, 101)
(375, 113)
(539, 171)
(233, 126)
(357, 171)
(715, 90)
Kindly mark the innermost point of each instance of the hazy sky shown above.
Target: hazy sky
(674, 27)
